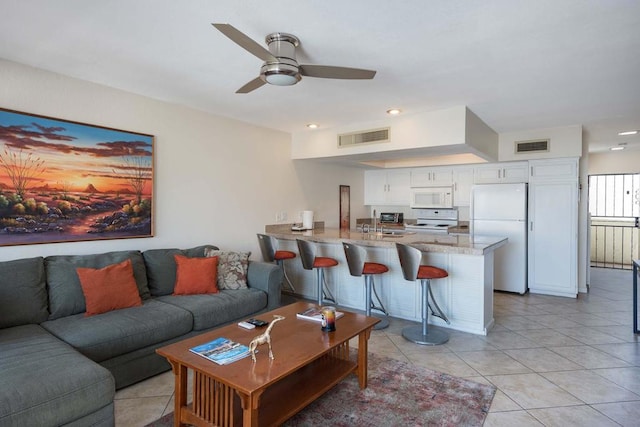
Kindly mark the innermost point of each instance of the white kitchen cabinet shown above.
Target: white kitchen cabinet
(553, 228)
(498, 173)
(382, 187)
(553, 169)
(431, 177)
(462, 183)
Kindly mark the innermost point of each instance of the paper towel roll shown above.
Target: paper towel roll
(307, 219)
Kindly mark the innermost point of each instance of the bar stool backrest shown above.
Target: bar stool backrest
(355, 258)
(410, 259)
(307, 253)
(267, 247)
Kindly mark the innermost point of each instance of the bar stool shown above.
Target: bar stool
(268, 245)
(310, 261)
(356, 256)
(412, 270)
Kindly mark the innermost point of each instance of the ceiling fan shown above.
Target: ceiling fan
(280, 66)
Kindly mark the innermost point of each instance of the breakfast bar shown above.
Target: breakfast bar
(466, 295)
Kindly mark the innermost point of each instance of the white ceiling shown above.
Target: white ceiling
(517, 64)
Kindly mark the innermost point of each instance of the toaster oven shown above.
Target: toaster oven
(392, 217)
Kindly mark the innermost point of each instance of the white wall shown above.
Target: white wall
(614, 162)
(217, 180)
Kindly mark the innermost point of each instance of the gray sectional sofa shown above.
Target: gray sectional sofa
(60, 367)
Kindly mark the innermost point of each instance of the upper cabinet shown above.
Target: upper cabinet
(462, 183)
(387, 187)
(431, 177)
(553, 169)
(498, 173)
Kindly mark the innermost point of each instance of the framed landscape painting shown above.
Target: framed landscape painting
(64, 181)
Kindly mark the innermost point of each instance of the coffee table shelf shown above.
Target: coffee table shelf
(287, 397)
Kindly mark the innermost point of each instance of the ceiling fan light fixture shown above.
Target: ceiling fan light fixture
(280, 74)
(281, 79)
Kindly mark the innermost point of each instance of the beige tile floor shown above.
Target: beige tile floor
(555, 361)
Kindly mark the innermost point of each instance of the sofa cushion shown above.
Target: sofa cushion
(161, 267)
(45, 382)
(65, 293)
(216, 309)
(23, 292)
(196, 276)
(110, 288)
(117, 332)
(232, 268)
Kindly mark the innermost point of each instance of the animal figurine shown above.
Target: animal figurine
(264, 337)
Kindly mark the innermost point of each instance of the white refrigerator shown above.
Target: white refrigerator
(501, 210)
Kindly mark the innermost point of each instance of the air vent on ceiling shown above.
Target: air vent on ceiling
(373, 136)
(532, 146)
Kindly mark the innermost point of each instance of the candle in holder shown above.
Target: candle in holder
(328, 319)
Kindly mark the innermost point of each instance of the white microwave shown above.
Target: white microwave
(431, 197)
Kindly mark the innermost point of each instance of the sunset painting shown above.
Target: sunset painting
(63, 181)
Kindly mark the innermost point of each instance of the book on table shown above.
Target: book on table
(315, 314)
(222, 351)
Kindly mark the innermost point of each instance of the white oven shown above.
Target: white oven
(431, 197)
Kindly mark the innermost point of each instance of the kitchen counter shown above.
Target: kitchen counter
(427, 242)
(466, 295)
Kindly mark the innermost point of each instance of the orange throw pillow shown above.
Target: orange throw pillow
(196, 275)
(109, 288)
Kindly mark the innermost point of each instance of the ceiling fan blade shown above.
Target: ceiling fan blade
(331, 72)
(245, 41)
(252, 85)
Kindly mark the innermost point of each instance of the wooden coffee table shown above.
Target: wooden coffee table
(307, 363)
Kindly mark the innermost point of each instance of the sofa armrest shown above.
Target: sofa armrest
(268, 278)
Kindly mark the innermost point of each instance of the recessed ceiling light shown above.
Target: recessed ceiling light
(312, 126)
(629, 132)
(394, 111)
(618, 148)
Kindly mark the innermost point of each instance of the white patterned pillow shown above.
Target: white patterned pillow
(232, 268)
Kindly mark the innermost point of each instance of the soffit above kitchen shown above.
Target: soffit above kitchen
(516, 65)
(452, 136)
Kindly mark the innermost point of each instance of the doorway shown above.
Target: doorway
(614, 211)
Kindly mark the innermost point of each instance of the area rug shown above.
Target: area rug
(398, 394)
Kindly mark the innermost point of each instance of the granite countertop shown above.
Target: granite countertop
(429, 242)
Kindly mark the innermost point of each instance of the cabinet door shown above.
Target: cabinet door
(431, 177)
(420, 177)
(554, 169)
(515, 172)
(497, 173)
(462, 183)
(487, 174)
(398, 192)
(386, 187)
(375, 187)
(441, 177)
(553, 236)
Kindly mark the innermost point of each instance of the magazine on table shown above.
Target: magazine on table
(315, 314)
(221, 351)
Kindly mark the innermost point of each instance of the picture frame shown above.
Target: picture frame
(66, 181)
